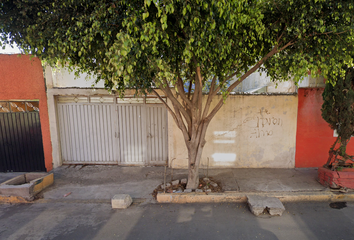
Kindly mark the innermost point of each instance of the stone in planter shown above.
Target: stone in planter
(206, 179)
(184, 181)
(175, 182)
(336, 179)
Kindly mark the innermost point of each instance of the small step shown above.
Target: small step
(261, 204)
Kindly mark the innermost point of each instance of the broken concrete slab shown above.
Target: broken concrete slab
(260, 204)
(121, 201)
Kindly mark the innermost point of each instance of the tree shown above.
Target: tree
(338, 111)
(181, 47)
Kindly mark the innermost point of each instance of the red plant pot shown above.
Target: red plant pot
(336, 179)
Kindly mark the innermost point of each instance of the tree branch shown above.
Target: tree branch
(175, 102)
(180, 88)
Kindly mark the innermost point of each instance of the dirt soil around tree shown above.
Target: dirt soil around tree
(206, 185)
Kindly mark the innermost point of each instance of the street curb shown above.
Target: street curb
(17, 200)
(242, 197)
(201, 198)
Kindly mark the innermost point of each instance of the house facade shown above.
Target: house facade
(73, 121)
(91, 126)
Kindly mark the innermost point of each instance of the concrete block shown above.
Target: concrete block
(213, 184)
(175, 182)
(121, 201)
(258, 204)
(208, 190)
(188, 190)
(198, 190)
(184, 181)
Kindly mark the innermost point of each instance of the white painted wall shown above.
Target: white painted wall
(257, 83)
(312, 82)
(62, 78)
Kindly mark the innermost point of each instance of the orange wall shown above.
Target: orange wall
(314, 137)
(21, 78)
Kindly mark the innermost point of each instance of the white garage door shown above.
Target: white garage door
(110, 133)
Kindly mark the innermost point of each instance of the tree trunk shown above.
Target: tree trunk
(194, 155)
(195, 150)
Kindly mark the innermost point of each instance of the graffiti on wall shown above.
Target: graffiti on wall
(263, 124)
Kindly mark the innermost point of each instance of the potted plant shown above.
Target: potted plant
(338, 111)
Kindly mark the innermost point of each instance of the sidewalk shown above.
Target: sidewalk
(99, 183)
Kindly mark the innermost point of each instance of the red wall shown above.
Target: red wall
(21, 78)
(314, 137)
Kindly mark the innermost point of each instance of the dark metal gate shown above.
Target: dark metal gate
(21, 146)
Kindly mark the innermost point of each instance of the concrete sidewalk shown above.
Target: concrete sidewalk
(99, 183)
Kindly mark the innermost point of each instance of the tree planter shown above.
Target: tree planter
(26, 185)
(336, 179)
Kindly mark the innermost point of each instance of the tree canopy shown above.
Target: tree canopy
(135, 43)
(183, 46)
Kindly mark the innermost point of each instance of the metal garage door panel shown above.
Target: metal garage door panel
(132, 134)
(157, 141)
(86, 133)
(21, 145)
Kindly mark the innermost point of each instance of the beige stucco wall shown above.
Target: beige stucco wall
(249, 131)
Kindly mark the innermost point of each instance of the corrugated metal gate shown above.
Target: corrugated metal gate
(21, 146)
(111, 133)
(86, 133)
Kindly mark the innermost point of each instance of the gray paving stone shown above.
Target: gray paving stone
(258, 204)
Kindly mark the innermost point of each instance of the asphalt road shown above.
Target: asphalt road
(316, 220)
